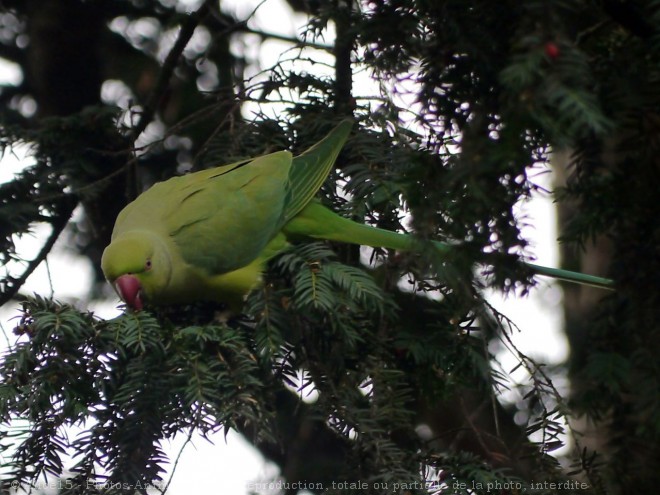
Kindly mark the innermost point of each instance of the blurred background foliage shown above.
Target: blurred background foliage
(467, 101)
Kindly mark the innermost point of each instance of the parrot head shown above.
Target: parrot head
(137, 265)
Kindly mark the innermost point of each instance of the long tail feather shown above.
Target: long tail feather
(319, 222)
(570, 276)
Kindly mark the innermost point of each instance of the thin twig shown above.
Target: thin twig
(4, 333)
(50, 278)
(81, 191)
(186, 32)
(58, 225)
(493, 399)
(288, 39)
(176, 461)
(534, 369)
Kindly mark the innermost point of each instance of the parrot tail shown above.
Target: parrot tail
(318, 222)
(570, 276)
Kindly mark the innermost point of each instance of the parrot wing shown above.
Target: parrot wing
(225, 218)
(146, 211)
(310, 169)
(219, 219)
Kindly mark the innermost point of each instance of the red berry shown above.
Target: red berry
(551, 50)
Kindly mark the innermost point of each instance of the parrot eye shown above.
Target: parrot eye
(147, 265)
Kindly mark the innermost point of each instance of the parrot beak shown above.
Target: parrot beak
(129, 289)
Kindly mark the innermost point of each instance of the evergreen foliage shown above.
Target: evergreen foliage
(335, 372)
(128, 383)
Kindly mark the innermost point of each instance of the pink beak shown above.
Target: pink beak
(129, 288)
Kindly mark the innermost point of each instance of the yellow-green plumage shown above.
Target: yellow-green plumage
(208, 235)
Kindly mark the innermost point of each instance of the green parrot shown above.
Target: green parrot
(207, 236)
